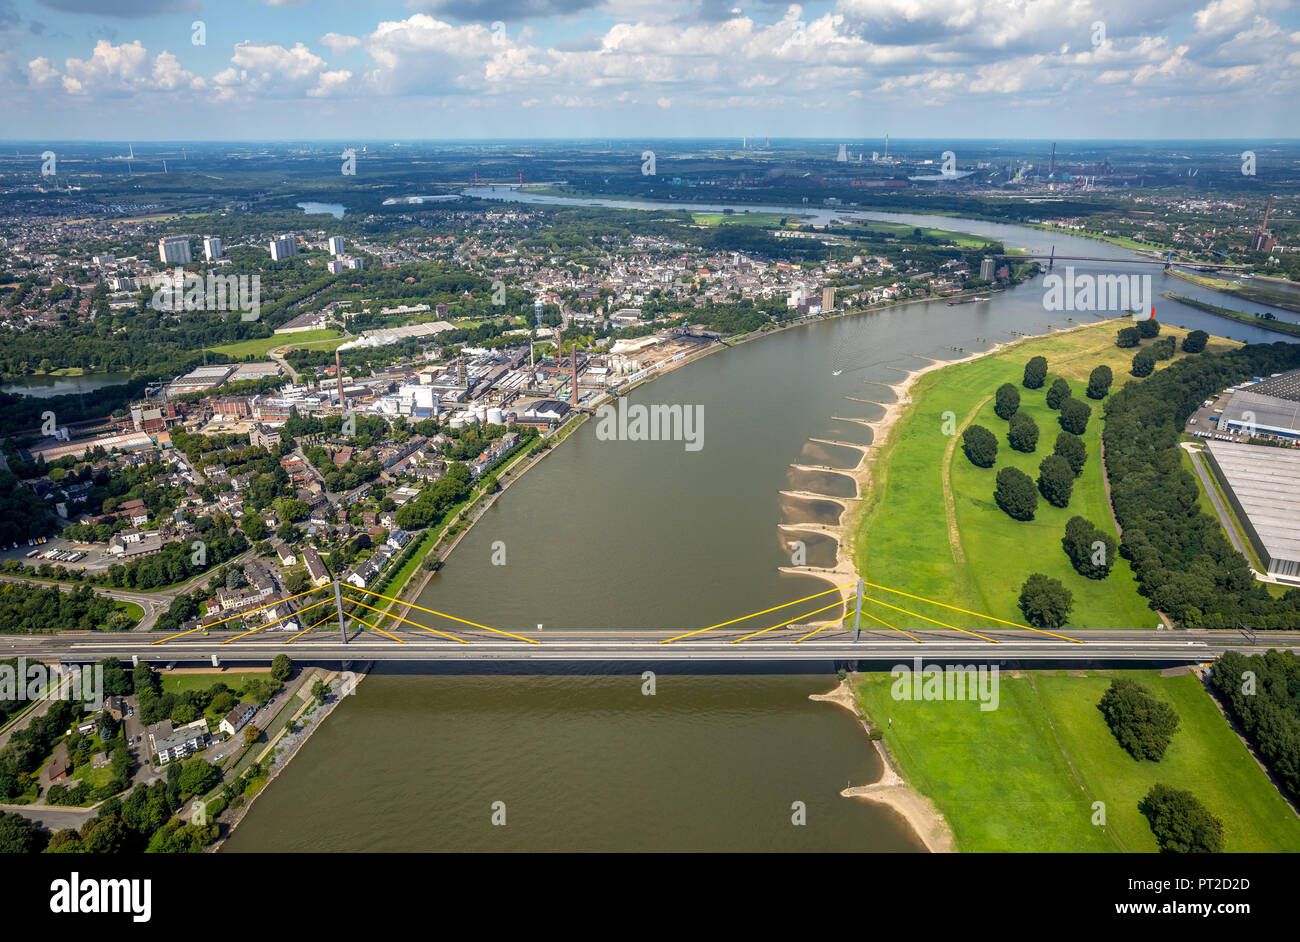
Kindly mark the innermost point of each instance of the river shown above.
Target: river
(608, 534)
(45, 385)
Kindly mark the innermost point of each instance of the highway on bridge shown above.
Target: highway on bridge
(1136, 647)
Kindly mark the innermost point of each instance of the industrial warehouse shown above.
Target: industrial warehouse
(1269, 408)
(1263, 485)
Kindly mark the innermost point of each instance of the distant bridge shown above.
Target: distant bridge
(1164, 263)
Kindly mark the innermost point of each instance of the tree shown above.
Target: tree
(198, 776)
(183, 713)
(1091, 551)
(1070, 447)
(1023, 433)
(143, 678)
(1007, 401)
(1075, 414)
(1099, 381)
(20, 836)
(1180, 823)
(1142, 724)
(1059, 392)
(1128, 337)
(295, 582)
(1144, 363)
(1044, 602)
(1195, 341)
(1055, 480)
(1035, 373)
(1163, 349)
(251, 733)
(254, 527)
(281, 667)
(293, 510)
(1015, 494)
(320, 690)
(1148, 328)
(980, 446)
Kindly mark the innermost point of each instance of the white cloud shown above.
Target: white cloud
(337, 42)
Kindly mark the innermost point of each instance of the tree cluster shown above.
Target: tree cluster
(1142, 725)
(1183, 562)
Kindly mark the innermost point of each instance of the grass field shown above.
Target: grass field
(902, 231)
(132, 609)
(178, 682)
(1024, 777)
(771, 220)
(930, 526)
(259, 346)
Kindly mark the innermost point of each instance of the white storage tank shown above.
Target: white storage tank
(457, 420)
(496, 416)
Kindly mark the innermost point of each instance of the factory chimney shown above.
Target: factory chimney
(573, 396)
(338, 374)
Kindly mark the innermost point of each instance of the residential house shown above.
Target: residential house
(237, 718)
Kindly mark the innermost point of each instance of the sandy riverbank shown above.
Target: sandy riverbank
(883, 432)
(892, 790)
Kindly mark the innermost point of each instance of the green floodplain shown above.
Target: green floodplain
(930, 523)
(1025, 776)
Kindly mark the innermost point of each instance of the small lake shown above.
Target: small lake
(45, 386)
(311, 208)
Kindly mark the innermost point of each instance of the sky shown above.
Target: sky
(137, 70)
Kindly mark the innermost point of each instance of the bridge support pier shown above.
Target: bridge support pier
(857, 614)
(338, 604)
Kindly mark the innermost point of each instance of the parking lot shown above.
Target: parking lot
(59, 552)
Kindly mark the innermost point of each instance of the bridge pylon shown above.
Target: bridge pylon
(857, 614)
(338, 602)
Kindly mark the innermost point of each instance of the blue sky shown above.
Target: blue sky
(851, 69)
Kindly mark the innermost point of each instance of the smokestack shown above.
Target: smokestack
(573, 399)
(338, 374)
(1051, 169)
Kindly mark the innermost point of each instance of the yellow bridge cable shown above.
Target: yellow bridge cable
(927, 618)
(763, 612)
(408, 621)
(473, 624)
(764, 631)
(380, 630)
(305, 630)
(281, 618)
(869, 615)
(238, 615)
(976, 614)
